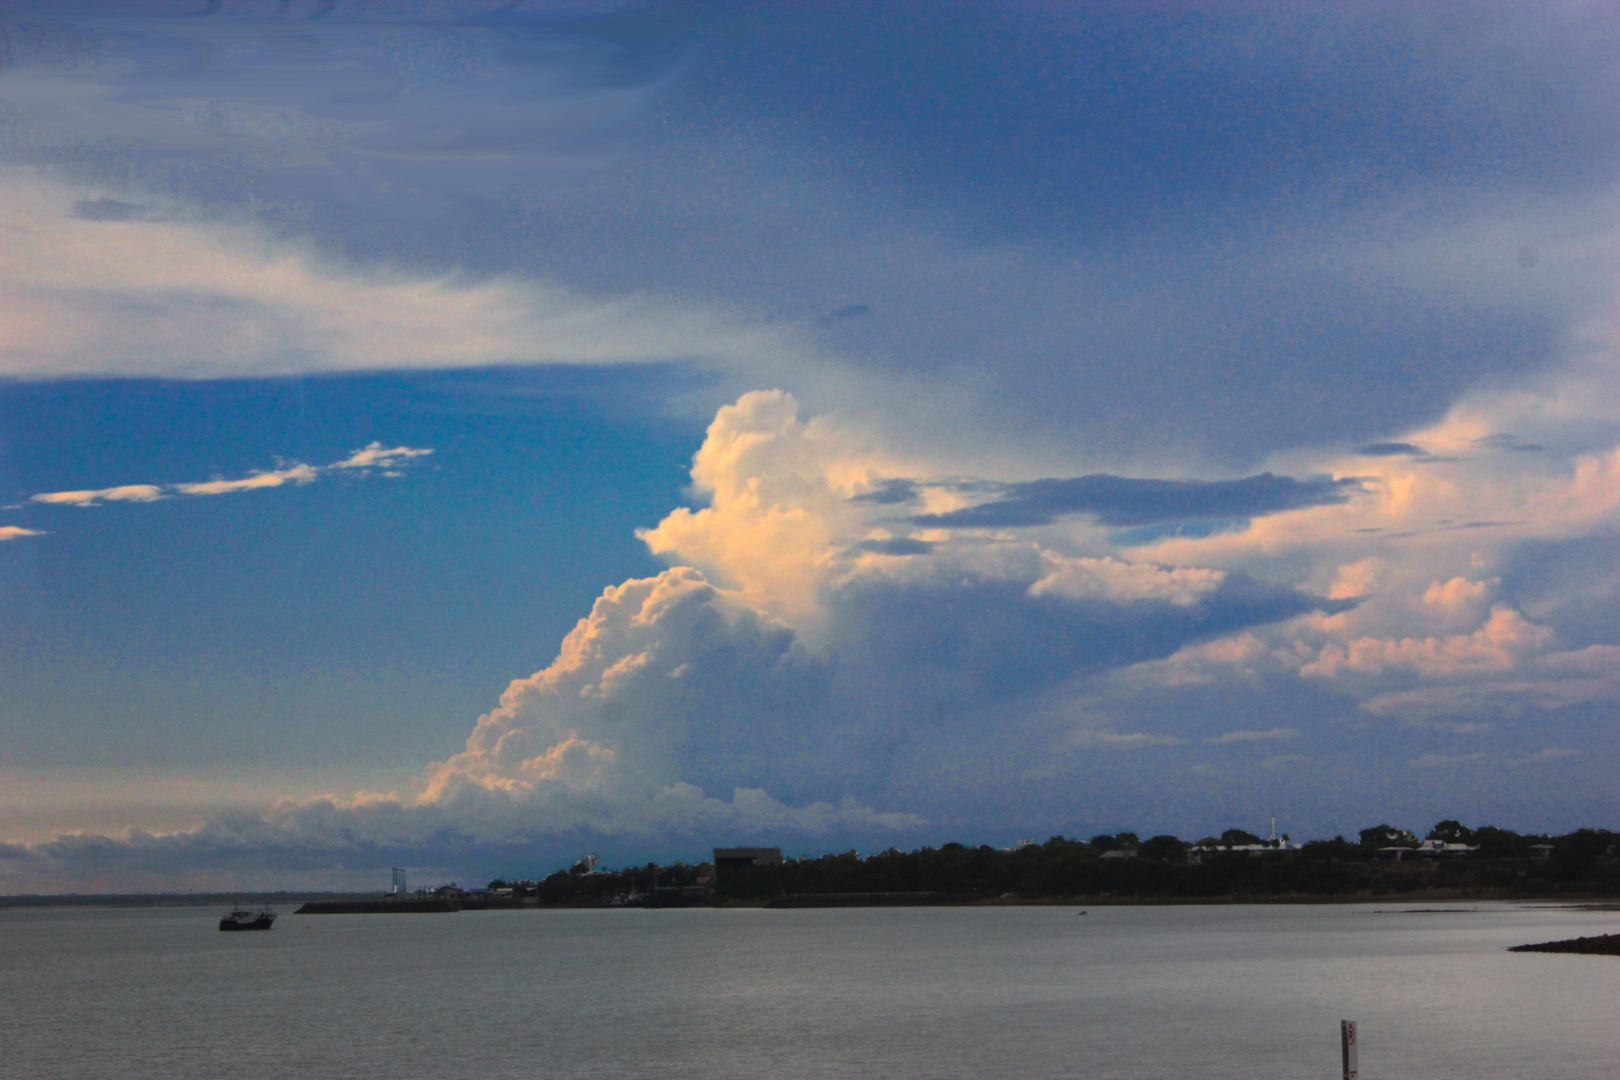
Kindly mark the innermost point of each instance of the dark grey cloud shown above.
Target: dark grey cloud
(1480, 525)
(110, 210)
(1124, 119)
(904, 545)
(991, 639)
(1389, 449)
(682, 147)
(1126, 501)
(927, 676)
(891, 493)
(1508, 442)
(849, 311)
(423, 118)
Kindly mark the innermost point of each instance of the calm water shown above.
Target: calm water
(1250, 992)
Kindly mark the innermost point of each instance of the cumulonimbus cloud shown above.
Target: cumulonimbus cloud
(737, 669)
(807, 654)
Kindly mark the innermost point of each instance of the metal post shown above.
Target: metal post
(1347, 1048)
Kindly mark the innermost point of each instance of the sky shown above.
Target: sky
(469, 435)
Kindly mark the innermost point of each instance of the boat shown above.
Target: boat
(242, 918)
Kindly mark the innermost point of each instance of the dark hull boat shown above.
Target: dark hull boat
(243, 919)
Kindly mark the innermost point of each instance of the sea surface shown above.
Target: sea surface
(1251, 992)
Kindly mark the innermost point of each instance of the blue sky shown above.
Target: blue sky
(464, 435)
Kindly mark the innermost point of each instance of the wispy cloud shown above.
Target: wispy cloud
(1125, 740)
(376, 456)
(1551, 753)
(293, 474)
(1540, 757)
(1123, 582)
(1254, 736)
(1442, 761)
(371, 457)
(16, 532)
(125, 493)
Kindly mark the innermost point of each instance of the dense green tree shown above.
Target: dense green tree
(1163, 849)
(1233, 837)
(1583, 863)
(1329, 850)
(1497, 843)
(1578, 851)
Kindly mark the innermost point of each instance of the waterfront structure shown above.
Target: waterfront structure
(739, 858)
(1429, 849)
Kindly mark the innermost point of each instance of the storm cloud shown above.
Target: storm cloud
(1144, 382)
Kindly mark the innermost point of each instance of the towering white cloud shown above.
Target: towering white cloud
(821, 643)
(775, 651)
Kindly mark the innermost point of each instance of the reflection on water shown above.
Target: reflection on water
(1135, 992)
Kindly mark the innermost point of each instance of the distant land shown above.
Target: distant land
(1452, 862)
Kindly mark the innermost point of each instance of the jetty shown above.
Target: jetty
(377, 907)
(1601, 945)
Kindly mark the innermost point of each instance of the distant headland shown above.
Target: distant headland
(1453, 862)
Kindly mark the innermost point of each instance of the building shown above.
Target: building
(740, 858)
(1429, 849)
(1282, 846)
(1274, 845)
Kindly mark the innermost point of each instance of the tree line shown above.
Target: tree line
(1122, 865)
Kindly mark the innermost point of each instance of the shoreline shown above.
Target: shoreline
(1589, 901)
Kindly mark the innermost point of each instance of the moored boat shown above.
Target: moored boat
(242, 918)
